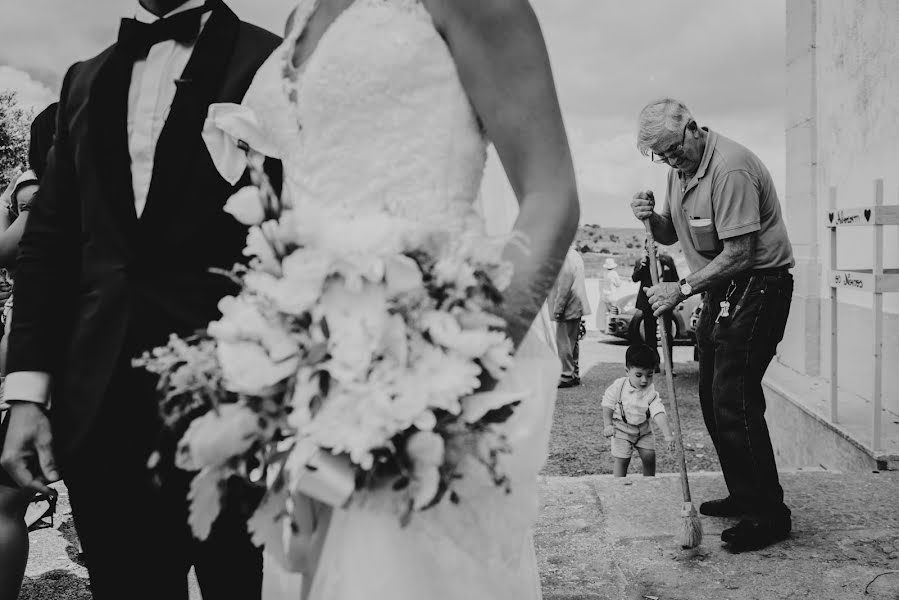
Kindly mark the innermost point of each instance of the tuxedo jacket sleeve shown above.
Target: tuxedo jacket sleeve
(47, 267)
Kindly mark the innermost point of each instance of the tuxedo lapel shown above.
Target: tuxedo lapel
(180, 143)
(108, 121)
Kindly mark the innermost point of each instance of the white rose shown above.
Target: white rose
(248, 369)
(242, 320)
(394, 342)
(425, 485)
(499, 358)
(303, 274)
(425, 449)
(246, 205)
(452, 270)
(402, 275)
(445, 330)
(441, 326)
(351, 354)
(260, 248)
(217, 436)
(426, 421)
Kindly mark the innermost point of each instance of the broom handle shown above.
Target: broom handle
(666, 348)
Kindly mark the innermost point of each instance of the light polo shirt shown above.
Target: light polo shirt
(635, 401)
(730, 195)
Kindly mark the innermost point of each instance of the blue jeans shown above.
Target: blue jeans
(734, 354)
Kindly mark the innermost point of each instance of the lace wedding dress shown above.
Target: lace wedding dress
(376, 121)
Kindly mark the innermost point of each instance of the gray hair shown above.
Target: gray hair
(665, 115)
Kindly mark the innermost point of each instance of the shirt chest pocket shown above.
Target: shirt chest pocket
(701, 220)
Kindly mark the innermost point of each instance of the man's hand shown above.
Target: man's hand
(664, 297)
(608, 431)
(643, 204)
(28, 454)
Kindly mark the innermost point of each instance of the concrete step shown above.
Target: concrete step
(615, 539)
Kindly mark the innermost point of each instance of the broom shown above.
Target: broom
(691, 526)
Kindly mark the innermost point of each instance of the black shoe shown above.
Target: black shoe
(751, 534)
(569, 383)
(41, 517)
(724, 507)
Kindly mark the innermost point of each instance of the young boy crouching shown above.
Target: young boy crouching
(628, 405)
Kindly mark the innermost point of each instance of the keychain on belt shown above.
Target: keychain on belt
(725, 304)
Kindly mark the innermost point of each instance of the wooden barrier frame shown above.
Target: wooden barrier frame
(876, 281)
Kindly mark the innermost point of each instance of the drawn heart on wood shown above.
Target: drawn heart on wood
(830, 217)
(868, 215)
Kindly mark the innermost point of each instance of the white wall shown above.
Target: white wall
(842, 130)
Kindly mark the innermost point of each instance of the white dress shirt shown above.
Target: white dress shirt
(149, 101)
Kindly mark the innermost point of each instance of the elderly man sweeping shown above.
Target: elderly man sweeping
(722, 207)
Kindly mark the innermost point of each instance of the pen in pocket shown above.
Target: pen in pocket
(743, 296)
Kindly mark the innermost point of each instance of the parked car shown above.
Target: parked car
(625, 320)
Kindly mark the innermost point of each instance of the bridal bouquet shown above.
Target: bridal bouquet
(357, 356)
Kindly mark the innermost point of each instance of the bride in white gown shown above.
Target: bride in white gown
(387, 106)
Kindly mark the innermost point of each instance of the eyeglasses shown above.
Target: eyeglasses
(675, 151)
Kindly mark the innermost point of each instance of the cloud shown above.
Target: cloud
(724, 58)
(30, 93)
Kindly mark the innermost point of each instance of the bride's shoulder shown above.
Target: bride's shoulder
(484, 15)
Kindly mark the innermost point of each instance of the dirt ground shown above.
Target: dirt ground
(578, 448)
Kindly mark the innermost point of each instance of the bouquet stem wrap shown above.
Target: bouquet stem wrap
(327, 478)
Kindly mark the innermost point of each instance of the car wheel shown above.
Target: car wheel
(675, 325)
(635, 329)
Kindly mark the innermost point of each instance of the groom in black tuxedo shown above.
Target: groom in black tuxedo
(116, 256)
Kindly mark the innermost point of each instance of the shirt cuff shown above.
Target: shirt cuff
(732, 232)
(27, 386)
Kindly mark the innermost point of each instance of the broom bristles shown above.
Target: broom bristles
(691, 527)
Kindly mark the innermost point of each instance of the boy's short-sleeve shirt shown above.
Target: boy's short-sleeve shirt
(636, 401)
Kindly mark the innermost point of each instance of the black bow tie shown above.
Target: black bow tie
(136, 38)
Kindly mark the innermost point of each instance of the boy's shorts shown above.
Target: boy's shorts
(627, 437)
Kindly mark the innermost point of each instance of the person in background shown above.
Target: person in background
(722, 206)
(568, 303)
(609, 282)
(611, 279)
(643, 276)
(20, 511)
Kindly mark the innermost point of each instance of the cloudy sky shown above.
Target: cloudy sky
(724, 58)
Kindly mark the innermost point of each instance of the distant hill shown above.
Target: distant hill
(623, 244)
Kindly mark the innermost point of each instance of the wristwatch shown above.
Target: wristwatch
(685, 288)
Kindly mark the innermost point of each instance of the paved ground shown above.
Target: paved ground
(601, 538)
(605, 539)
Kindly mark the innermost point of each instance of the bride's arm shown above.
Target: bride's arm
(502, 61)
